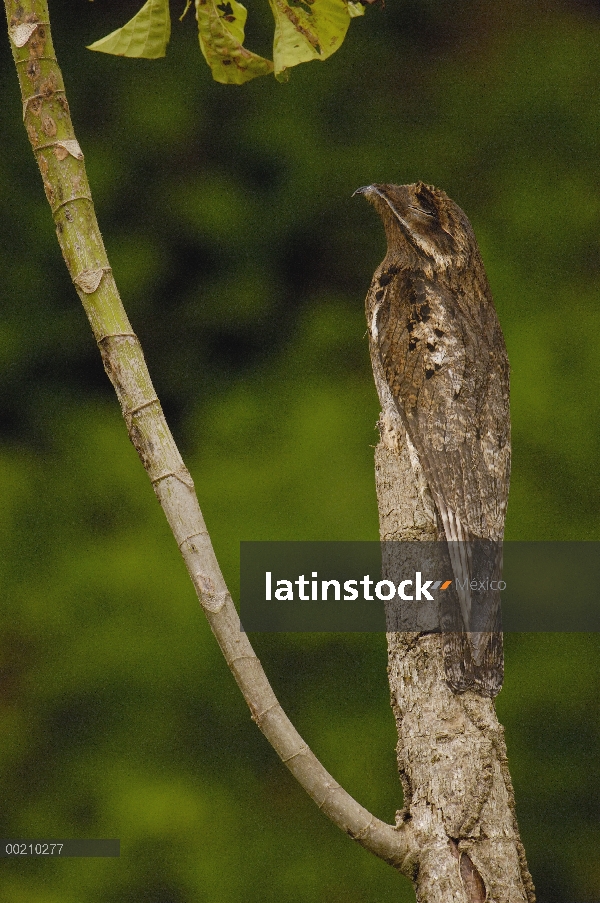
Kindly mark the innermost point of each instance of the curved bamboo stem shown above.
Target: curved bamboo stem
(60, 159)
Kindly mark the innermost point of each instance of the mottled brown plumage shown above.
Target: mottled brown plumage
(440, 360)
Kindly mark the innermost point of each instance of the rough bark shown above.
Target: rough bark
(458, 794)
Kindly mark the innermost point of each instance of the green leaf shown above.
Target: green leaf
(308, 30)
(146, 35)
(221, 34)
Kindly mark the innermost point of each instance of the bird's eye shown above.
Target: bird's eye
(426, 204)
(428, 213)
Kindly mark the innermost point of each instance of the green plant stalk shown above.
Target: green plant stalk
(59, 157)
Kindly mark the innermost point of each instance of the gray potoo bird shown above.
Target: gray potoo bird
(440, 361)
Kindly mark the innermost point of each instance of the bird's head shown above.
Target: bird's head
(423, 222)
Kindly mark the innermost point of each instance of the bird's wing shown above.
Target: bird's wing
(446, 366)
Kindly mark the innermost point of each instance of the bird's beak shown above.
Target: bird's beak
(366, 189)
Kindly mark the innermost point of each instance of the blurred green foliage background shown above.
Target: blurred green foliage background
(243, 263)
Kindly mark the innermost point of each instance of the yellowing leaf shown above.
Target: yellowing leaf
(146, 35)
(308, 30)
(221, 34)
(355, 9)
